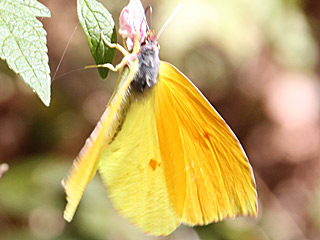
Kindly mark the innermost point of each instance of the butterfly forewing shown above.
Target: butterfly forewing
(207, 172)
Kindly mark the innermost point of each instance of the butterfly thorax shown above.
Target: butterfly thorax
(147, 74)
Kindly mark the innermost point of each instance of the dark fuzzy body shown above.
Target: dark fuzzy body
(149, 61)
(144, 79)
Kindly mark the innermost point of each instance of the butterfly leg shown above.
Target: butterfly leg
(114, 45)
(107, 65)
(111, 67)
(128, 58)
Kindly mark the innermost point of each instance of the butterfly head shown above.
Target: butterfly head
(151, 42)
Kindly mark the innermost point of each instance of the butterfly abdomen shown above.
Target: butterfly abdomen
(149, 62)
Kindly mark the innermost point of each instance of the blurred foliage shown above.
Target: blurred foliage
(256, 61)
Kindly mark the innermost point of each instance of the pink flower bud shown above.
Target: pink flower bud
(132, 20)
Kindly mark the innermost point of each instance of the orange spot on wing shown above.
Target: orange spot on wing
(153, 164)
(206, 136)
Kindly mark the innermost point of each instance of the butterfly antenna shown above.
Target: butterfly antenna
(64, 52)
(149, 8)
(175, 11)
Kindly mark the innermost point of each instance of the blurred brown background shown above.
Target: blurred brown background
(256, 61)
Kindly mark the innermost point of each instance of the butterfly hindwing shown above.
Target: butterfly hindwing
(207, 173)
(132, 170)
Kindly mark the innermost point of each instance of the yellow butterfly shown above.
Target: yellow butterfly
(164, 153)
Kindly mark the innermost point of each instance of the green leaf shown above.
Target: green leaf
(94, 19)
(23, 43)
